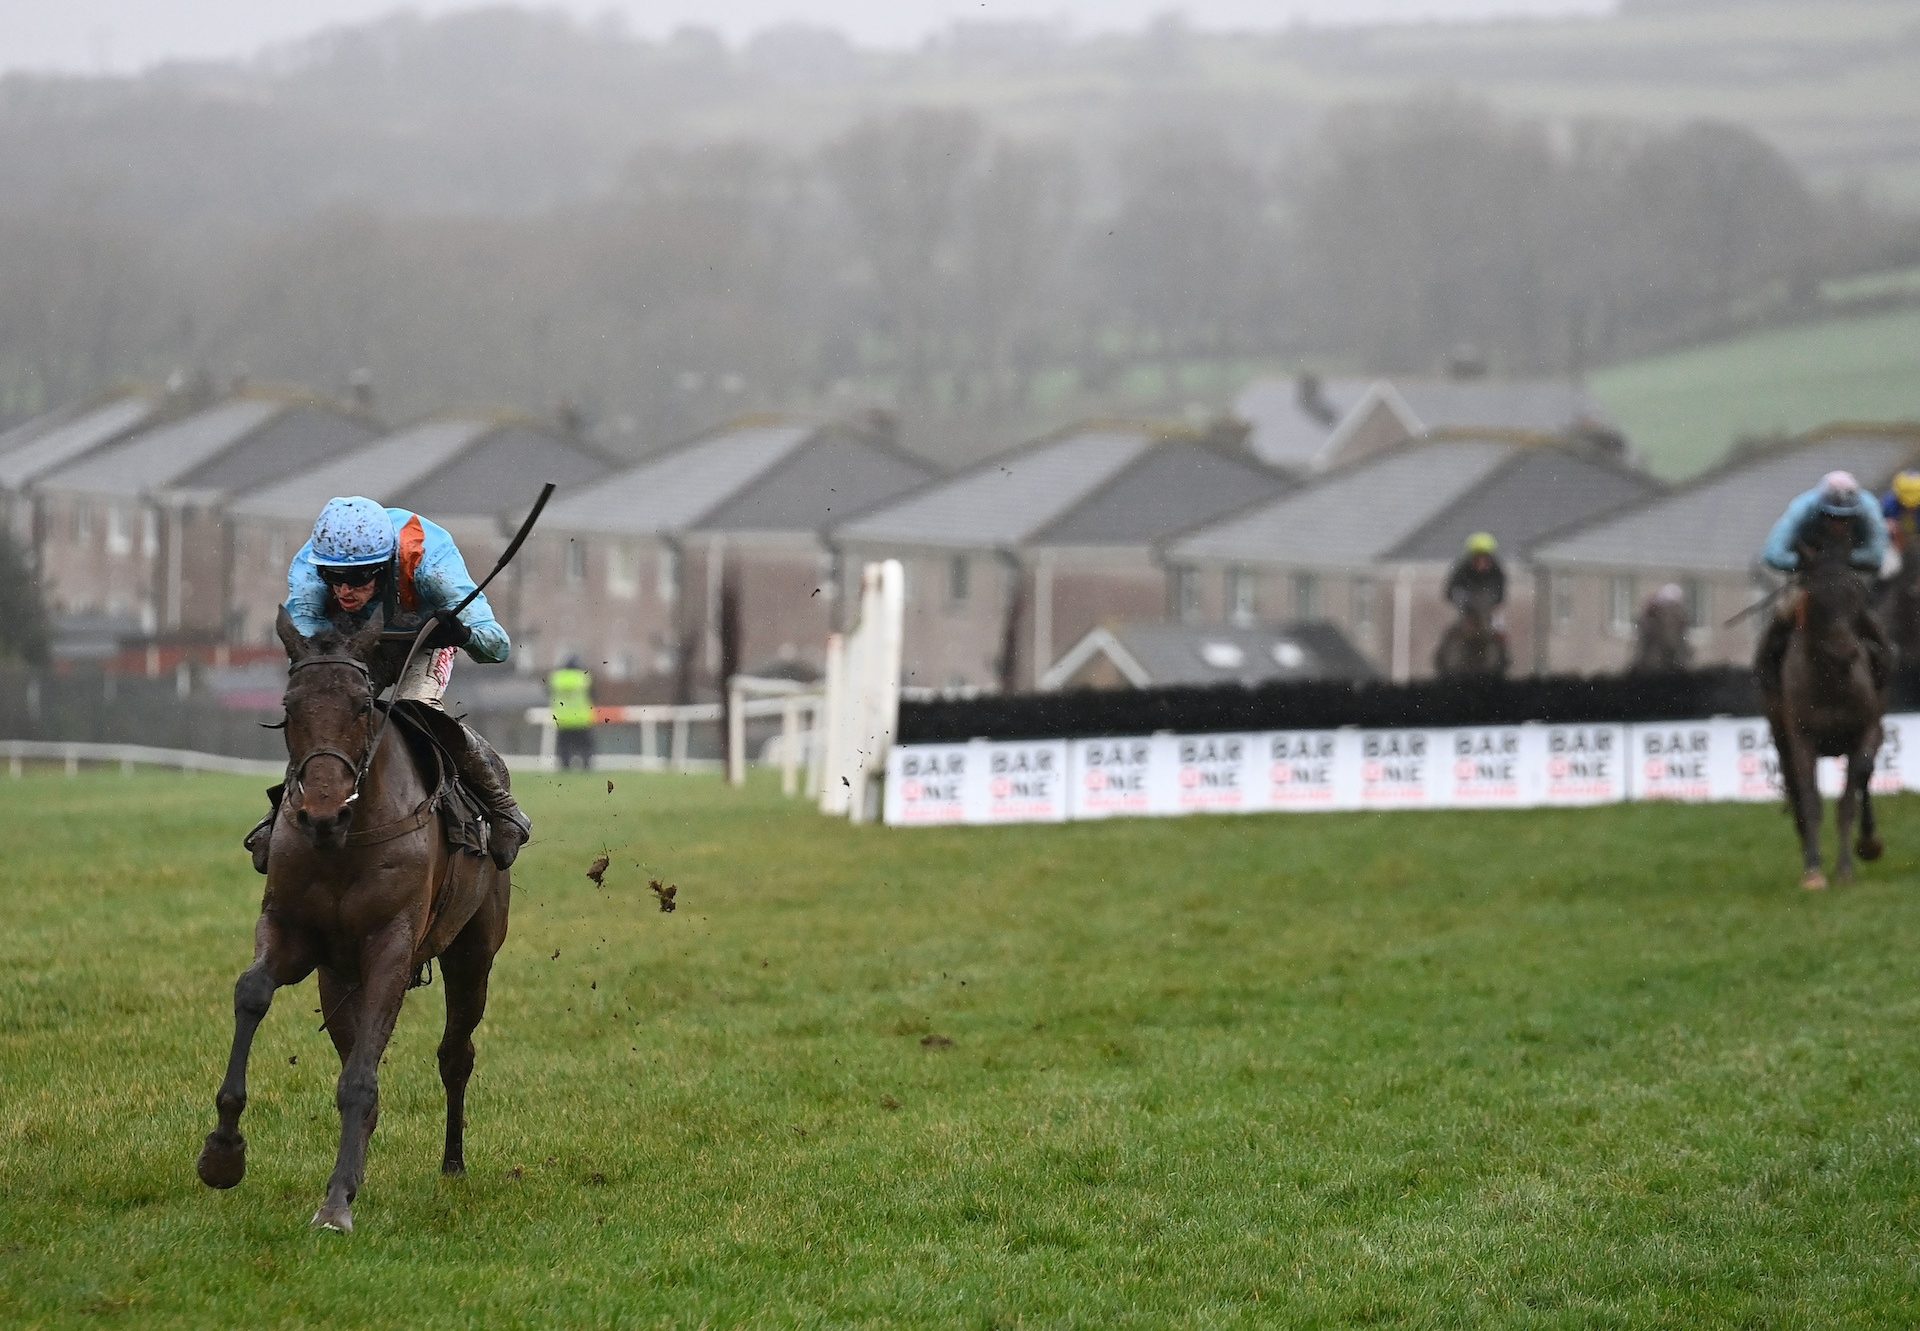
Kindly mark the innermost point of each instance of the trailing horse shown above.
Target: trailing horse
(364, 887)
(1472, 645)
(1829, 700)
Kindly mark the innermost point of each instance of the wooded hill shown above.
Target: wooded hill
(999, 228)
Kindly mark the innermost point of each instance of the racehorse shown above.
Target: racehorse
(1660, 641)
(361, 886)
(1472, 645)
(1900, 605)
(1828, 703)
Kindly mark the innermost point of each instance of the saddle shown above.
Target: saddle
(431, 735)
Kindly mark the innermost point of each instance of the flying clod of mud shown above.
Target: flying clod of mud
(598, 871)
(666, 895)
(609, 785)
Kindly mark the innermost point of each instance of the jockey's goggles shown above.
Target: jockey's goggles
(351, 575)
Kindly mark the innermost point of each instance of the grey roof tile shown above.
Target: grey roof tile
(379, 470)
(1006, 500)
(1719, 522)
(830, 478)
(501, 471)
(1535, 406)
(1285, 432)
(34, 455)
(1175, 485)
(1354, 516)
(676, 491)
(1540, 491)
(288, 442)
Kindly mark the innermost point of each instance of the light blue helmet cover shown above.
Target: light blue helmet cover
(352, 531)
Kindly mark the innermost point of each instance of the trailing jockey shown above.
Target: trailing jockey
(362, 555)
(1478, 578)
(1836, 510)
(1901, 509)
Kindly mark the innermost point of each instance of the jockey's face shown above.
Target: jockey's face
(353, 597)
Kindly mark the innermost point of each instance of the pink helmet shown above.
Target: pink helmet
(1839, 494)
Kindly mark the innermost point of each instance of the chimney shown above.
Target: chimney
(1307, 391)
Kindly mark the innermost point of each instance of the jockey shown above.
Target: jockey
(1901, 509)
(1837, 509)
(361, 554)
(1477, 574)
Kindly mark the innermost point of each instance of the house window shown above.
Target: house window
(1240, 600)
(623, 572)
(1562, 605)
(1699, 605)
(119, 535)
(666, 575)
(150, 534)
(82, 524)
(576, 563)
(1363, 598)
(1620, 605)
(1306, 596)
(1186, 595)
(959, 571)
(620, 666)
(830, 567)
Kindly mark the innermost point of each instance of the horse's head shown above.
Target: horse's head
(1835, 598)
(330, 725)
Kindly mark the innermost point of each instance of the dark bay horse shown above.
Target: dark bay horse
(1472, 645)
(1828, 702)
(362, 887)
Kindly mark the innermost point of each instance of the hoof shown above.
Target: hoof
(454, 1168)
(1814, 881)
(223, 1162)
(339, 1219)
(1871, 849)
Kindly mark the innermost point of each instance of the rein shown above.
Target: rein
(359, 767)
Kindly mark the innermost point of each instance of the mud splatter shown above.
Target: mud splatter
(935, 1042)
(666, 895)
(598, 870)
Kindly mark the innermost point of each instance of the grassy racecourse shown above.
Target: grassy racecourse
(1603, 1068)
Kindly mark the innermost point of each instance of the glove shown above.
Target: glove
(448, 631)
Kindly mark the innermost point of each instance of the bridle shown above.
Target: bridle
(357, 766)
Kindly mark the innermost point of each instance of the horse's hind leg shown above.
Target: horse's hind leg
(1844, 811)
(279, 958)
(385, 968)
(465, 967)
(1869, 847)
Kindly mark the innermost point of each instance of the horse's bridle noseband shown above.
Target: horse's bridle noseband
(357, 766)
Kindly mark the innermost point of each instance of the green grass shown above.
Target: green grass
(1687, 408)
(1600, 1068)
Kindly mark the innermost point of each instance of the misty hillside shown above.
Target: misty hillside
(505, 110)
(988, 235)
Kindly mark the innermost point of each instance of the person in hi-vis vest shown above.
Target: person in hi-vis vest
(570, 692)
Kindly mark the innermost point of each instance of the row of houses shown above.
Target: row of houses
(1339, 504)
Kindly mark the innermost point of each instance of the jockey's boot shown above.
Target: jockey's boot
(260, 839)
(485, 775)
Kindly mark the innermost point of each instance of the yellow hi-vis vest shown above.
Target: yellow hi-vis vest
(571, 705)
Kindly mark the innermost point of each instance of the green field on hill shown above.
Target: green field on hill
(1687, 408)
(1555, 1069)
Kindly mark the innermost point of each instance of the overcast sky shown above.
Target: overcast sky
(121, 35)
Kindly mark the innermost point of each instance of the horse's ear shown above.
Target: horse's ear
(290, 636)
(362, 644)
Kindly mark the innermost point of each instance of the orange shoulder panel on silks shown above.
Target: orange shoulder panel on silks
(413, 545)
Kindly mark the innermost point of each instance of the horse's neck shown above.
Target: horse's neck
(393, 780)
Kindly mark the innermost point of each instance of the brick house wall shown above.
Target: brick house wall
(1085, 590)
(99, 557)
(1586, 635)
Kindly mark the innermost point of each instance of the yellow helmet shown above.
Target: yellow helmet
(1906, 488)
(1482, 543)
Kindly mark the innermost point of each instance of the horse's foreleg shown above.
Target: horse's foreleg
(385, 969)
(466, 966)
(1869, 846)
(279, 958)
(1845, 807)
(1806, 789)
